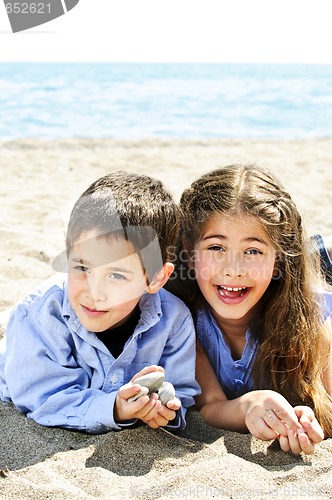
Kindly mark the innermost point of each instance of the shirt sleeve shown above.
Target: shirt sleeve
(43, 377)
(178, 360)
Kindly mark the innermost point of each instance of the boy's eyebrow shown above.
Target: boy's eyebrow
(249, 239)
(78, 260)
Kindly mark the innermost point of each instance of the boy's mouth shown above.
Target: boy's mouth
(92, 312)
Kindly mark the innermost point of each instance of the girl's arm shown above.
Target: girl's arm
(327, 375)
(265, 414)
(212, 403)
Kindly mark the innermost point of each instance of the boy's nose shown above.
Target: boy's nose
(97, 290)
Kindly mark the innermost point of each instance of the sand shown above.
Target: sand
(40, 182)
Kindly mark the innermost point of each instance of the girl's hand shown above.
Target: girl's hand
(165, 414)
(268, 415)
(305, 438)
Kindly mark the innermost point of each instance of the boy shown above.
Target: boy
(75, 346)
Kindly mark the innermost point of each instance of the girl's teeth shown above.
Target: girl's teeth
(232, 289)
(232, 292)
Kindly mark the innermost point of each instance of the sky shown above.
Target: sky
(268, 31)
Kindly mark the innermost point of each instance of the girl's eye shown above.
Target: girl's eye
(253, 251)
(216, 248)
(117, 276)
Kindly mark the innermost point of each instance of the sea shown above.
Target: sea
(177, 101)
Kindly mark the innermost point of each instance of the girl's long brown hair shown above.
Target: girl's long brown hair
(293, 344)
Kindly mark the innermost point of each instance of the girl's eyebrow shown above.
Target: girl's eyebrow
(248, 239)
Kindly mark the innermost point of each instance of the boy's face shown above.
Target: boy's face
(105, 281)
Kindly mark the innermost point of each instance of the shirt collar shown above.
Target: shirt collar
(149, 304)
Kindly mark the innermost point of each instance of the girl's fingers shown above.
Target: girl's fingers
(293, 440)
(306, 445)
(284, 443)
(273, 421)
(296, 443)
(261, 430)
(310, 424)
(314, 431)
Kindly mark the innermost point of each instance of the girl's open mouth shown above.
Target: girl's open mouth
(230, 294)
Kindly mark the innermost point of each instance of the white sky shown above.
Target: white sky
(296, 31)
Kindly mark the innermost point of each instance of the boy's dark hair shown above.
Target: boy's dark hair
(136, 207)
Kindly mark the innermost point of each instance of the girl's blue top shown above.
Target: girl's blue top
(234, 375)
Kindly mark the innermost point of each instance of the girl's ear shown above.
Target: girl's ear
(160, 278)
(276, 273)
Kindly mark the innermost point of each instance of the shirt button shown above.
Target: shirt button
(114, 378)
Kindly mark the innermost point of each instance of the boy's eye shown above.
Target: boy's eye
(81, 269)
(117, 276)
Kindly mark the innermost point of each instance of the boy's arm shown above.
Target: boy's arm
(178, 360)
(45, 381)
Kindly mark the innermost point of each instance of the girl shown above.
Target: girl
(264, 333)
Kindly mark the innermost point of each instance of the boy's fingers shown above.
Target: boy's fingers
(146, 405)
(167, 413)
(129, 390)
(173, 404)
(148, 369)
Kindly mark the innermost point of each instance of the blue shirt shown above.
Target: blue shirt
(60, 374)
(234, 375)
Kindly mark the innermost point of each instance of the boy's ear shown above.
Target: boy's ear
(160, 278)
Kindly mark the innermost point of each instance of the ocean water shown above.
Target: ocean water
(134, 101)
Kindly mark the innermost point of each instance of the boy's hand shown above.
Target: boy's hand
(144, 408)
(307, 436)
(147, 369)
(165, 414)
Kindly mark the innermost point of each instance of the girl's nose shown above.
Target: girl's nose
(233, 272)
(233, 267)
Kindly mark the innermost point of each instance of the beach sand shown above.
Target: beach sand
(40, 182)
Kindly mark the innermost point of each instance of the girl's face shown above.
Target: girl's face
(234, 263)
